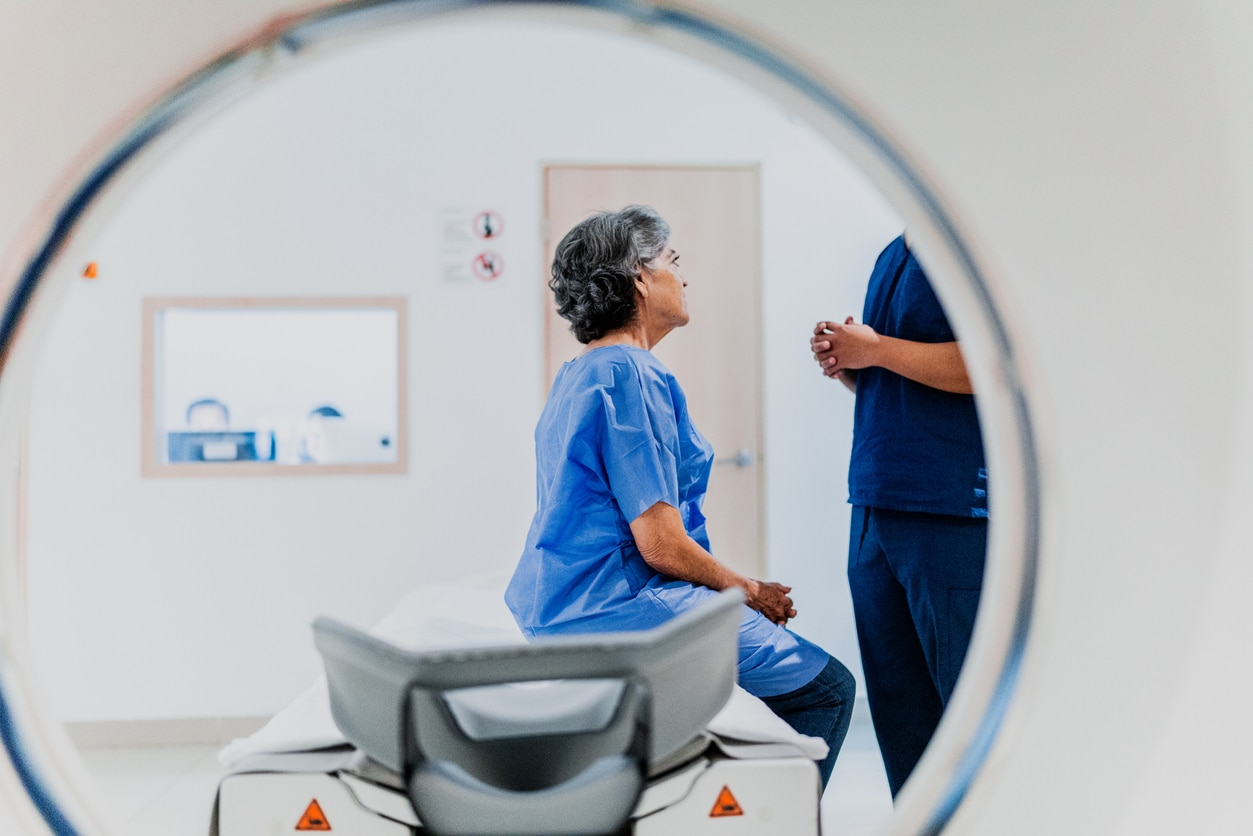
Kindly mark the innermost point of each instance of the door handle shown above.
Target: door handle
(743, 458)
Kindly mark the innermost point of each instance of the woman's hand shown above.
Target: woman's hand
(771, 600)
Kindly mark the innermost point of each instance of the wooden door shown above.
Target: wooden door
(714, 216)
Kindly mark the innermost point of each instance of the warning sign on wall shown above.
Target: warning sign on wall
(488, 265)
(465, 232)
(488, 224)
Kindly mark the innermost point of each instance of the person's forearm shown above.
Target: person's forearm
(938, 365)
(666, 546)
(683, 558)
(841, 348)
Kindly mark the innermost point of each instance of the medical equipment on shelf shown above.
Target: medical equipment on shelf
(595, 734)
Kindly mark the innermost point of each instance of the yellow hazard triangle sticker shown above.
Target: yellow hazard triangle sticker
(726, 805)
(314, 818)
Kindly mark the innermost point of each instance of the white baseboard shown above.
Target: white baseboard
(174, 731)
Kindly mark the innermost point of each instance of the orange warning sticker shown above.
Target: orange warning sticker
(726, 805)
(314, 818)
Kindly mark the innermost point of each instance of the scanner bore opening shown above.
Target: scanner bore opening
(1016, 490)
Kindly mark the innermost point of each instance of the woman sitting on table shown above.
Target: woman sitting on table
(618, 539)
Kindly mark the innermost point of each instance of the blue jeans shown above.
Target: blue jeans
(821, 708)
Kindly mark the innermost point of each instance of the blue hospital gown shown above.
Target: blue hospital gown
(614, 439)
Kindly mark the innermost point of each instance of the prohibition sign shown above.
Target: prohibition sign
(488, 265)
(488, 225)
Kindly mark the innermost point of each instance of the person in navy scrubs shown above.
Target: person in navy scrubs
(618, 541)
(918, 485)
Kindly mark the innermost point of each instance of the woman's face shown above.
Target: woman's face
(666, 302)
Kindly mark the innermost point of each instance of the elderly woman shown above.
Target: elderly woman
(618, 541)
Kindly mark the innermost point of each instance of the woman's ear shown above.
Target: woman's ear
(641, 286)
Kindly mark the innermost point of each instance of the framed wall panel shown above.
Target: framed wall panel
(266, 386)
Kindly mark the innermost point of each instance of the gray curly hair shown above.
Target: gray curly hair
(596, 264)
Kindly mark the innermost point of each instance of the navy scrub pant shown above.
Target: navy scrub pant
(915, 580)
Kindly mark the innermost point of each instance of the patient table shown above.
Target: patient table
(641, 733)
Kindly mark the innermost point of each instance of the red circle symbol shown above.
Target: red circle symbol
(488, 265)
(488, 225)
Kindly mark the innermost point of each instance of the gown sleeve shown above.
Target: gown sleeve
(640, 443)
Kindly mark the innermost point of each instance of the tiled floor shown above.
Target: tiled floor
(168, 790)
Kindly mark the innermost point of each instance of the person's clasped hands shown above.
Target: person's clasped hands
(840, 346)
(771, 600)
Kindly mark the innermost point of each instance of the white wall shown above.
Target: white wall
(191, 597)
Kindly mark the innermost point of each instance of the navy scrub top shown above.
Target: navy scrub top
(614, 439)
(915, 448)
